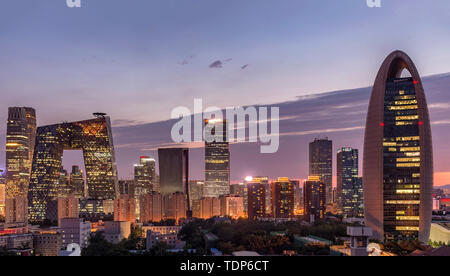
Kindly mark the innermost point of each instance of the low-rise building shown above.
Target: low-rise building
(153, 238)
(47, 243)
(75, 230)
(164, 230)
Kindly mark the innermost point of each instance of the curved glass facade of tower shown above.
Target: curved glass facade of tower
(398, 157)
(401, 157)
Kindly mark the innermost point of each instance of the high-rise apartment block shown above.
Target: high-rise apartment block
(256, 200)
(314, 199)
(282, 198)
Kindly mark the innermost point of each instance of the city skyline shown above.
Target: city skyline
(125, 80)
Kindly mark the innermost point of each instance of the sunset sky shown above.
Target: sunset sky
(137, 60)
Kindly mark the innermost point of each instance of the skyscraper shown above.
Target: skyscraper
(63, 184)
(217, 159)
(321, 164)
(256, 202)
(314, 199)
(173, 170)
(144, 176)
(20, 139)
(283, 198)
(398, 155)
(174, 174)
(94, 138)
(77, 188)
(349, 192)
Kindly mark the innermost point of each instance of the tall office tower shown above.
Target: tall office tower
(175, 206)
(217, 159)
(144, 176)
(283, 198)
(321, 164)
(174, 173)
(63, 184)
(151, 207)
(398, 154)
(125, 187)
(209, 207)
(125, 209)
(348, 192)
(195, 195)
(231, 206)
(94, 138)
(77, 188)
(314, 199)
(256, 200)
(67, 208)
(20, 139)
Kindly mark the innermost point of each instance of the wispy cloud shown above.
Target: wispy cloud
(319, 131)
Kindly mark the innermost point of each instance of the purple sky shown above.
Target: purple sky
(136, 60)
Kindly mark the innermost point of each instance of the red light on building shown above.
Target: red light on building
(420, 123)
(382, 124)
(416, 82)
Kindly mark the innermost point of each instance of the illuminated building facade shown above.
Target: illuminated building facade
(217, 159)
(231, 206)
(349, 186)
(321, 164)
(77, 188)
(63, 184)
(94, 138)
(20, 139)
(256, 200)
(314, 199)
(283, 198)
(398, 155)
(195, 195)
(144, 176)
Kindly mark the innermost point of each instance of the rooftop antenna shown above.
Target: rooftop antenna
(99, 114)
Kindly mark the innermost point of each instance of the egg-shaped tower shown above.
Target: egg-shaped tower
(398, 154)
